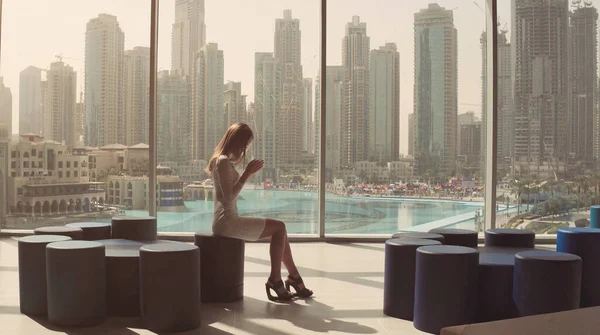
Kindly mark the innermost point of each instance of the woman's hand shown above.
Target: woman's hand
(253, 167)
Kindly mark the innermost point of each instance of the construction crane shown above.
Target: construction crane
(59, 57)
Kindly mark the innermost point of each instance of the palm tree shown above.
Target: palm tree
(517, 188)
(583, 185)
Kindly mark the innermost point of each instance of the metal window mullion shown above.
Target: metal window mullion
(491, 111)
(322, 118)
(152, 110)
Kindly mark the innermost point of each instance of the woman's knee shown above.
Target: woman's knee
(278, 226)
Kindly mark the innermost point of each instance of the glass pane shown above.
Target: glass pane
(255, 65)
(548, 113)
(403, 116)
(77, 93)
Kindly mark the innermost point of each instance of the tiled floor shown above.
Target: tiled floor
(347, 280)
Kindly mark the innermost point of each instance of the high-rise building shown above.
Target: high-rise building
(208, 116)
(470, 144)
(5, 112)
(504, 92)
(61, 110)
(30, 101)
(435, 90)
(355, 119)
(80, 120)
(411, 134)
(384, 100)
(173, 126)
(235, 104)
(540, 80)
(137, 81)
(45, 108)
(307, 117)
(267, 91)
(584, 82)
(463, 119)
(104, 94)
(334, 111)
(188, 35)
(289, 117)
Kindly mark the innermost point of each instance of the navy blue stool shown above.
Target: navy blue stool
(32, 273)
(585, 243)
(445, 287)
(459, 237)
(399, 280)
(420, 236)
(134, 228)
(93, 231)
(496, 286)
(74, 233)
(501, 237)
(546, 282)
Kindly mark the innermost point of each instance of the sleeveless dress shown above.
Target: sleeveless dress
(226, 221)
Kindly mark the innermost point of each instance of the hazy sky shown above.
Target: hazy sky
(34, 31)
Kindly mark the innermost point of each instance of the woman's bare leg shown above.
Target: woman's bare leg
(288, 260)
(278, 234)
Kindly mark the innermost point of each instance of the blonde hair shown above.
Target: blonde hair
(233, 145)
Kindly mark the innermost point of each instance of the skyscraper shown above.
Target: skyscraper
(5, 113)
(137, 81)
(104, 107)
(463, 119)
(584, 81)
(289, 116)
(435, 90)
(541, 68)
(384, 100)
(267, 91)
(208, 116)
(334, 114)
(235, 104)
(188, 35)
(62, 97)
(30, 101)
(307, 117)
(355, 119)
(411, 134)
(173, 140)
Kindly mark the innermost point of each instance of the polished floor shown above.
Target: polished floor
(347, 280)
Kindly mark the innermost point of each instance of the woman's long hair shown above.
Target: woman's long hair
(233, 145)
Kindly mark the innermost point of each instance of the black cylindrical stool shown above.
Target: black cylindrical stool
(585, 243)
(221, 267)
(170, 286)
(502, 237)
(32, 273)
(546, 282)
(134, 228)
(421, 236)
(445, 287)
(74, 233)
(76, 279)
(495, 284)
(459, 237)
(399, 280)
(93, 231)
(122, 277)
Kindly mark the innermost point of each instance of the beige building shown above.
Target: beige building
(137, 81)
(391, 172)
(118, 159)
(61, 108)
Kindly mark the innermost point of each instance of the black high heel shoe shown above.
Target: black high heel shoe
(282, 294)
(299, 287)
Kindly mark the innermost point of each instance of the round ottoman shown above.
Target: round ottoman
(495, 287)
(134, 228)
(221, 267)
(93, 231)
(170, 286)
(546, 282)
(445, 287)
(76, 279)
(595, 216)
(459, 237)
(501, 237)
(399, 279)
(32, 273)
(74, 233)
(420, 236)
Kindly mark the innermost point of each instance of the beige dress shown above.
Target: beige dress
(226, 220)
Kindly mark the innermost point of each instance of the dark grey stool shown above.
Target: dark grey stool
(420, 236)
(222, 267)
(399, 280)
(93, 231)
(170, 286)
(134, 228)
(32, 273)
(495, 284)
(76, 279)
(459, 237)
(74, 233)
(502, 237)
(445, 287)
(585, 243)
(546, 282)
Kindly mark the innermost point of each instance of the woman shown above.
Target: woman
(230, 152)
